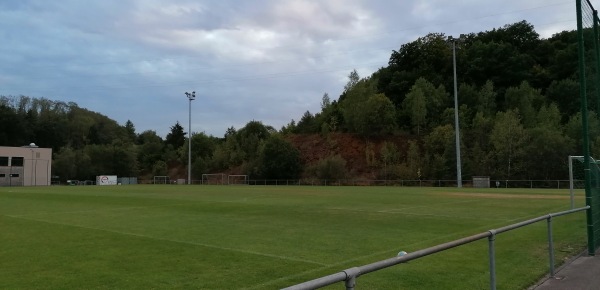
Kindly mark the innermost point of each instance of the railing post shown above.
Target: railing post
(351, 275)
(350, 283)
(550, 245)
(492, 253)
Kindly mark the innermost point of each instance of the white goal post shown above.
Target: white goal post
(213, 178)
(237, 179)
(576, 174)
(161, 180)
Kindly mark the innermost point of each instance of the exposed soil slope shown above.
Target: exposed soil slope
(353, 148)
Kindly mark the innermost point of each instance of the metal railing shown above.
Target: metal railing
(350, 275)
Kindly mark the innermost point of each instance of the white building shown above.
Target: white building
(25, 166)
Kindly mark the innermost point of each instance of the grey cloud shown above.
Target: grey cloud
(268, 60)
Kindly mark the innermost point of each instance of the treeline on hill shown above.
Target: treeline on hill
(519, 114)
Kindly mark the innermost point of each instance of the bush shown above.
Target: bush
(330, 168)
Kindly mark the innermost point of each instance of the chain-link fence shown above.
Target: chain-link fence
(589, 92)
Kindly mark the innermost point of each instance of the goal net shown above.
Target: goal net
(214, 179)
(237, 179)
(577, 174)
(161, 180)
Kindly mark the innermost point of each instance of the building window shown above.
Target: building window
(17, 161)
(14, 175)
(2, 175)
(3, 160)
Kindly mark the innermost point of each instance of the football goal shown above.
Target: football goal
(577, 174)
(161, 180)
(237, 179)
(213, 179)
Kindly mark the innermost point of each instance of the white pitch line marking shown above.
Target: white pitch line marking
(96, 210)
(180, 242)
(399, 211)
(428, 206)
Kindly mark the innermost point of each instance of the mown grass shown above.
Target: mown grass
(257, 237)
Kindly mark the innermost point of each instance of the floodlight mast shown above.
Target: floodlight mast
(191, 97)
(456, 125)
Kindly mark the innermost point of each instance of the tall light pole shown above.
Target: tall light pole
(191, 97)
(456, 127)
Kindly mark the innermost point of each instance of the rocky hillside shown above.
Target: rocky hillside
(353, 148)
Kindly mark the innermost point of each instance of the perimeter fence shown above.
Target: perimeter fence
(589, 93)
(548, 184)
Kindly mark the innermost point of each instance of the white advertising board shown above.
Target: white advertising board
(106, 180)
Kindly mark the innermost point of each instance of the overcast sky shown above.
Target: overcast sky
(265, 60)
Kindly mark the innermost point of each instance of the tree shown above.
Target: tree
(425, 103)
(548, 145)
(289, 128)
(104, 130)
(565, 93)
(150, 150)
(279, 159)
(80, 123)
(415, 103)
(477, 140)
(244, 145)
(12, 127)
(440, 148)
(353, 79)
(468, 95)
(159, 168)
(487, 99)
(413, 159)
(354, 102)
(113, 158)
(307, 124)
(504, 56)
(377, 117)
(527, 100)
(390, 157)
(331, 118)
(573, 128)
(325, 102)
(64, 164)
(130, 132)
(330, 168)
(546, 151)
(176, 137)
(428, 57)
(203, 145)
(124, 161)
(509, 140)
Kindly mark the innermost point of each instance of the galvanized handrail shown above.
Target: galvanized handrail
(350, 275)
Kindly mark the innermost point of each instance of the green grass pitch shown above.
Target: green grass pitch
(268, 237)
